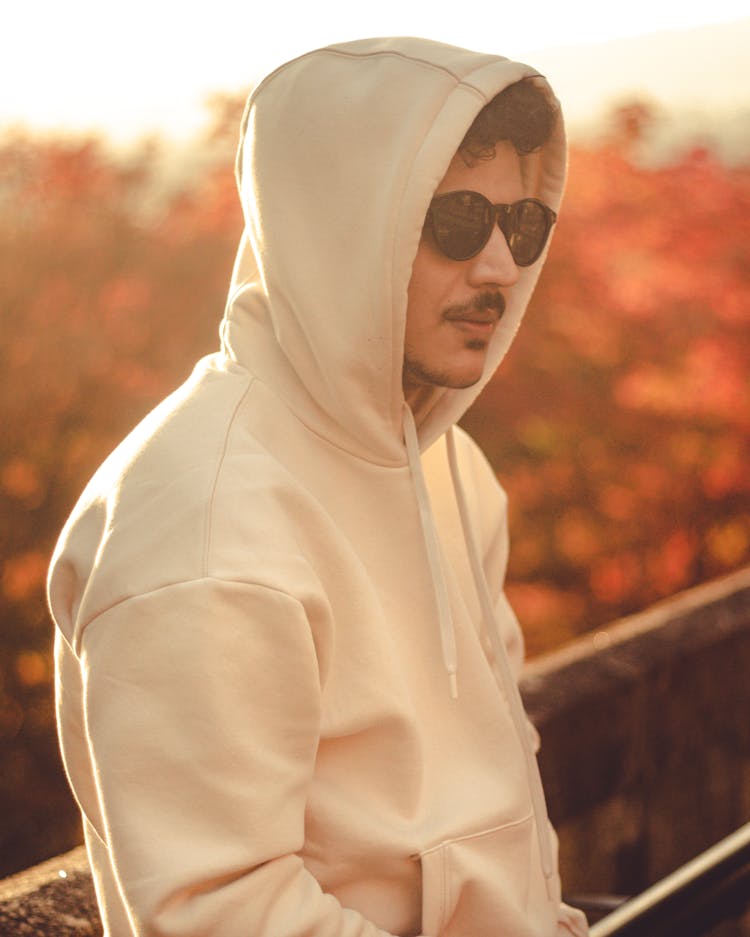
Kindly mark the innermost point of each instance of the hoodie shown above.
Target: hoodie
(286, 668)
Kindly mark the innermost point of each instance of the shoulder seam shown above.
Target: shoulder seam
(182, 582)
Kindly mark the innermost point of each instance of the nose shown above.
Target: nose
(494, 264)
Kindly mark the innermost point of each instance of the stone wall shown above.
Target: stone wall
(54, 899)
(645, 755)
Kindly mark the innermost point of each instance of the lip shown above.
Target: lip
(479, 324)
(476, 323)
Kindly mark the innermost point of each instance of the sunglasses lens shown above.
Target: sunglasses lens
(528, 227)
(462, 223)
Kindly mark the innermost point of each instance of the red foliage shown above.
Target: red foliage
(629, 382)
(619, 422)
(110, 291)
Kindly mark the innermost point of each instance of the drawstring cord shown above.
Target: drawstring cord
(490, 622)
(432, 545)
(511, 689)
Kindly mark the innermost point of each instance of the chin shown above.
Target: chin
(458, 380)
(467, 376)
(465, 382)
(429, 374)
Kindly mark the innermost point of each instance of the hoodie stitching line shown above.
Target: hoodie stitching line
(325, 439)
(434, 66)
(394, 53)
(445, 896)
(247, 583)
(512, 824)
(208, 520)
(341, 53)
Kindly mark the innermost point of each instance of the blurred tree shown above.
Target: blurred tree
(619, 422)
(106, 302)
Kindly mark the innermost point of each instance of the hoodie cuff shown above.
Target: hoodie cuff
(571, 921)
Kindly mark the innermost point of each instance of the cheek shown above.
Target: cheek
(428, 288)
(420, 271)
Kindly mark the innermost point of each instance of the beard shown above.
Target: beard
(417, 372)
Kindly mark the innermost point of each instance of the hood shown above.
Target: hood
(340, 153)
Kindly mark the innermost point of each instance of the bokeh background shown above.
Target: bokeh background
(620, 423)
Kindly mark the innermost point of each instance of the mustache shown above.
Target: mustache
(480, 306)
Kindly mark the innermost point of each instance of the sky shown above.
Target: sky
(149, 65)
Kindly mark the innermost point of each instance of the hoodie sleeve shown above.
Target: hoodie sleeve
(202, 709)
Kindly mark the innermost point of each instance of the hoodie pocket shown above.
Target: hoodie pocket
(479, 884)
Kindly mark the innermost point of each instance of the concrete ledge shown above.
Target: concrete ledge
(54, 899)
(645, 756)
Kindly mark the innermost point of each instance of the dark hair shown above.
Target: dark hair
(523, 114)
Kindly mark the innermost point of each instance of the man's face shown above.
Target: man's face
(454, 305)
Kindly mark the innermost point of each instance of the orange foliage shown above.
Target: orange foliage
(619, 422)
(24, 575)
(630, 379)
(111, 287)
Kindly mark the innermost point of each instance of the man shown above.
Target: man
(286, 668)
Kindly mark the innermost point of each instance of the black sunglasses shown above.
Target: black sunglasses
(462, 223)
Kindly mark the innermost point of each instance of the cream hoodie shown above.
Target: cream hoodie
(285, 665)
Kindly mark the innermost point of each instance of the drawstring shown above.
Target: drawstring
(490, 623)
(432, 544)
(511, 689)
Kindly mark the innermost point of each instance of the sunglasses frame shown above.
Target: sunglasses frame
(501, 214)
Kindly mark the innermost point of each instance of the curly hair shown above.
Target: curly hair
(523, 114)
